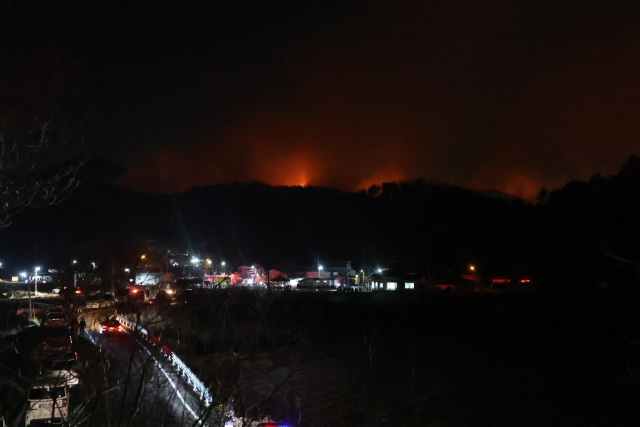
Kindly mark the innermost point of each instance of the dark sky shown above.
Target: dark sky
(505, 95)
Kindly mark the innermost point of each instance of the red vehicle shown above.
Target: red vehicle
(23, 310)
(111, 327)
(58, 340)
(56, 320)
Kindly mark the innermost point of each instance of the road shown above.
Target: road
(155, 392)
(123, 382)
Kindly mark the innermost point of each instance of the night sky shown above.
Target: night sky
(504, 95)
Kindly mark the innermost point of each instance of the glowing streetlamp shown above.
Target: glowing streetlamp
(472, 268)
(143, 257)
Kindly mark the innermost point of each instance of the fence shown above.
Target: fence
(182, 369)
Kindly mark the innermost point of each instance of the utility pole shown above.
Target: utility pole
(348, 268)
(29, 293)
(363, 284)
(268, 284)
(113, 273)
(36, 278)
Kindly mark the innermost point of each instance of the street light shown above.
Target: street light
(194, 261)
(126, 270)
(74, 261)
(29, 293)
(36, 284)
(472, 268)
(143, 257)
(379, 270)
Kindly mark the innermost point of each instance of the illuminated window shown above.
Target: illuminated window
(408, 285)
(392, 286)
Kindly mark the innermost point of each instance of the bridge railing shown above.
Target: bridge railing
(198, 386)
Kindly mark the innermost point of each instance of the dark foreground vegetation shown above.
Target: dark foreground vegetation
(434, 359)
(359, 359)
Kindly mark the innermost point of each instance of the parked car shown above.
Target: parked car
(24, 311)
(48, 402)
(317, 285)
(111, 327)
(56, 320)
(58, 340)
(54, 310)
(63, 366)
(351, 288)
(63, 290)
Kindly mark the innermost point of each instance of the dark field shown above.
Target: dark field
(449, 360)
(493, 365)
(394, 359)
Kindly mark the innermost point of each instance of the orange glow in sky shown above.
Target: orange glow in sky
(389, 173)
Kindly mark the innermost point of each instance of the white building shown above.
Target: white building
(147, 278)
